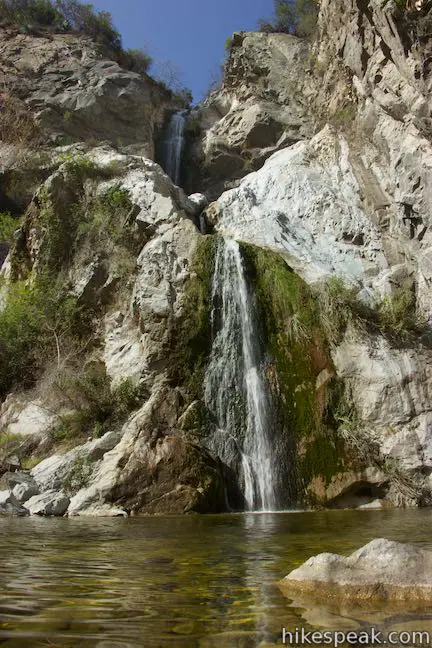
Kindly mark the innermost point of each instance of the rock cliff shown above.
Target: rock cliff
(348, 197)
(317, 155)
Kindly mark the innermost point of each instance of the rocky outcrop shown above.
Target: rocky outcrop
(353, 202)
(129, 255)
(305, 203)
(375, 80)
(61, 88)
(262, 106)
(382, 570)
(334, 140)
(9, 505)
(75, 92)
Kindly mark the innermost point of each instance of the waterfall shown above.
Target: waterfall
(174, 145)
(235, 391)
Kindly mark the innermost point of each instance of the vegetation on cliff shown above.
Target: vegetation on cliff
(72, 15)
(37, 324)
(192, 343)
(299, 371)
(297, 17)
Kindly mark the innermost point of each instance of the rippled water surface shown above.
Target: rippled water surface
(204, 582)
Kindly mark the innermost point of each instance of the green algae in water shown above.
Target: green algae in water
(179, 581)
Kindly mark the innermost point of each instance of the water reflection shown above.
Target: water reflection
(197, 582)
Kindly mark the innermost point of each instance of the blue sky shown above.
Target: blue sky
(190, 34)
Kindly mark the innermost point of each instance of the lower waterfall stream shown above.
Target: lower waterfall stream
(235, 391)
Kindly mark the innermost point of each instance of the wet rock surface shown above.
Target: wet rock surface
(382, 570)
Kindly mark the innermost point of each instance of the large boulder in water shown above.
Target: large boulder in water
(9, 505)
(381, 570)
(51, 503)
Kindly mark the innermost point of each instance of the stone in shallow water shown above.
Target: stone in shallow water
(22, 485)
(51, 503)
(381, 570)
(9, 505)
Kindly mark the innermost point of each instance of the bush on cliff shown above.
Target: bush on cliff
(36, 325)
(297, 17)
(72, 15)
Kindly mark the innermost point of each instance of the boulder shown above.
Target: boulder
(51, 503)
(153, 469)
(9, 505)
(50, 473)
(382, 570)
(199, 202)
(22, 485)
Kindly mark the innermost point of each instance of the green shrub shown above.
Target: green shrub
(28, 13)
(72, 15)
(125, 398)
(136, 60)
(86, 20)
(298, 17)
(398, 317)
(36, 324)
(338, 307)
(344, 115)
(228, 43)
(96, 407)
(395, 317)
(78, 476)
(104, 221)
(8, 225)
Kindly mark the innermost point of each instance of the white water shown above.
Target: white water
(234, 388)
(174, 145)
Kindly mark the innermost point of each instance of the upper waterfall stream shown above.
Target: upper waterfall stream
(235, 390)
(174, 145)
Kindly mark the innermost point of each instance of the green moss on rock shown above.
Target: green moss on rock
(299, 369)
(192, 338)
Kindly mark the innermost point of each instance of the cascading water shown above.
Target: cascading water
(235, 391)
(174, 145)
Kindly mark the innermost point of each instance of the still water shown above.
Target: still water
(204, 582)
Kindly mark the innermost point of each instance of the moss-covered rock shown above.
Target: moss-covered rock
(192, 338)
(299, 369)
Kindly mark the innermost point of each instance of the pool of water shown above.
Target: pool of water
(195, 581)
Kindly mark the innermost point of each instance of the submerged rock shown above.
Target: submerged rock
(381, 570)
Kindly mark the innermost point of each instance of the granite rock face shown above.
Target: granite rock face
(261, 107)
(148, 465)
(319, 151)
(76, 92)
(305, 204)
(352, 200)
